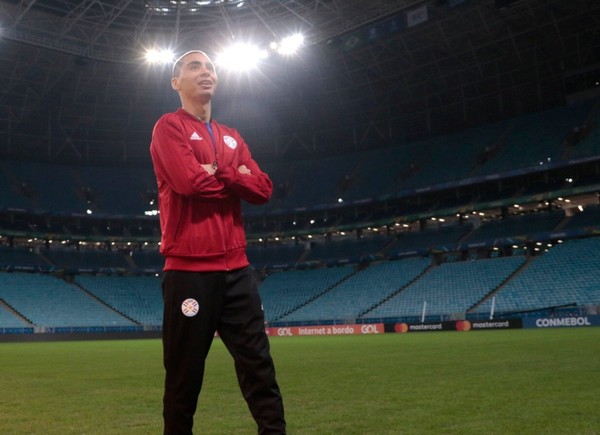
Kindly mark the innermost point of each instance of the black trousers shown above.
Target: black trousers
(196, 304)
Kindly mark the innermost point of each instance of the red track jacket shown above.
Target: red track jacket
(200, 214)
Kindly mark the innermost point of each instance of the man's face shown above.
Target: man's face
(197, 78)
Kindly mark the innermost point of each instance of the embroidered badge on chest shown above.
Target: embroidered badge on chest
(230, 142)
(189, 307)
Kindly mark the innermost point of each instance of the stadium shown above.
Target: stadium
(436, 168)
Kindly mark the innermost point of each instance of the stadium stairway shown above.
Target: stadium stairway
(565, 275)
(51, 302)
(137, 297)
(391, 295)
(280, 303)
(508, 279)
(448, 289)
(100, 301)
(15, 319)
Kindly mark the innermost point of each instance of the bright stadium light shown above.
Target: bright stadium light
(241, 57)
(156, 56)
(289, 45)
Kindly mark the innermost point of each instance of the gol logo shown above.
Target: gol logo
(284, 332)
(369, 329)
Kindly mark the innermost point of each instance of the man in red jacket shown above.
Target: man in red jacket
(203, 170)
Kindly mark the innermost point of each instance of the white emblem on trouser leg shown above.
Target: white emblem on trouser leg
(189, 307)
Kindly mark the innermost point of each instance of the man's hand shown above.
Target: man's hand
(209, 168)
(244, 170)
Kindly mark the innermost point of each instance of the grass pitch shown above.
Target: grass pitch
(485, 382)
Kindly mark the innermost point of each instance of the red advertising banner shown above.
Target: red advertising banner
(295, 331)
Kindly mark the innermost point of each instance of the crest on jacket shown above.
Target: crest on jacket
(230, 142)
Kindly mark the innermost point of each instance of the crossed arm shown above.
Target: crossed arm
(211, 170)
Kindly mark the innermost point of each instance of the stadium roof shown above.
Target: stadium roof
(74, 86)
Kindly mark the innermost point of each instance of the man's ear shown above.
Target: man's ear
(175, 83)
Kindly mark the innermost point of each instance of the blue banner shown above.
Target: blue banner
(561, 322)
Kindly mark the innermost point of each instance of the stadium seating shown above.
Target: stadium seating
(385, 290)
(588, 142)
(50, 302)
(536, 139)
(22, 257)
(451, 288)
(119, 191)
(43, 186)
(149, 259)
(567, 274)
(8, 320)
(521, 225)
(361, 291)
(284, 292)
(137, 297)
(351, 248)
(491, 149)
(588, 218)
(10, 195)
(394, 275)
(429, 238)
(262, 257)
(86, 259)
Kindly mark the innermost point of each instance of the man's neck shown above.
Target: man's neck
(200, 111)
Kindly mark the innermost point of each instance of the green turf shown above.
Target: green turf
(486, 382)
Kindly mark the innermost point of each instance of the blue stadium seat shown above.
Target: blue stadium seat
(567, 274)
(347, 300)
(47, 301)
(284, 292)
(448, 289)
(137, 297)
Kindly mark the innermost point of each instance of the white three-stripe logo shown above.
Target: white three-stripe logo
(195, 136)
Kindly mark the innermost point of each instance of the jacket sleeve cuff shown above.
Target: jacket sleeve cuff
(227, 175)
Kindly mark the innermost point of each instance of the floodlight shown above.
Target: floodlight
(241, 57)
(291, 44)
(164, 56)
